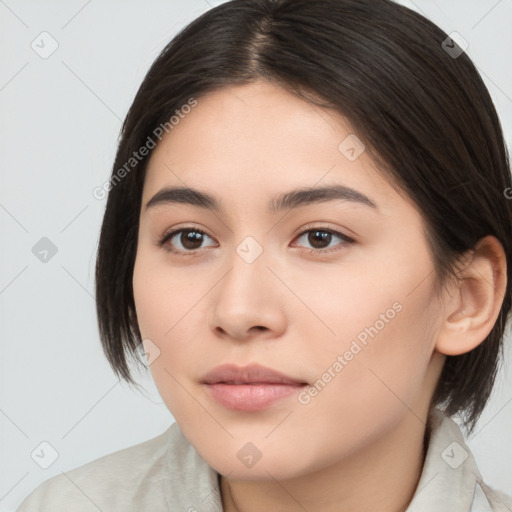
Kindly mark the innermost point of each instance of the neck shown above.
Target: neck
(383, 477)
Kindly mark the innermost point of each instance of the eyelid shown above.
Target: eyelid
(324, 226)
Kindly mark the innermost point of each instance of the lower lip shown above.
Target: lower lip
(251, 397)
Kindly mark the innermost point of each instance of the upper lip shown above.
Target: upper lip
(253, 373)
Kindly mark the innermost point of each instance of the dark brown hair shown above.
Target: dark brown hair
(423, 113)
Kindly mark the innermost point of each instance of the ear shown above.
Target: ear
(472, 306)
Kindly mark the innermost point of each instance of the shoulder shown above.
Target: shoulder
(84, 488)
(141, 477)
(450, 479)
(498, 500)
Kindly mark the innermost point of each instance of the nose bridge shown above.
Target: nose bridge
(250, 250)
(248, 268)
(243, 299)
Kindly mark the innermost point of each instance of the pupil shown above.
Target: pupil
(319, 236)
(189, 238)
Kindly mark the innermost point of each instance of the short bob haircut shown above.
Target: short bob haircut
(421, 109)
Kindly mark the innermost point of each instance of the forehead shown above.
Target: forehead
(256, 140)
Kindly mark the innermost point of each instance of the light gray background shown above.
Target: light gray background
(60, 121)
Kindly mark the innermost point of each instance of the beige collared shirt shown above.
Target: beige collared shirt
(167, 474)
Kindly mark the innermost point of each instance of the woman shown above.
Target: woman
(307, 232)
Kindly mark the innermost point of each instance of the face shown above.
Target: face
(335, 294)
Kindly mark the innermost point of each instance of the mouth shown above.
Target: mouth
(251, 374)
(249, 388)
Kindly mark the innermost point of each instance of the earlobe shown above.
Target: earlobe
(471, 312)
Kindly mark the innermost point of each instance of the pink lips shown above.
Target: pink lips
(249, 388)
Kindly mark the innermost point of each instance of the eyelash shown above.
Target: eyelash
(168, 236)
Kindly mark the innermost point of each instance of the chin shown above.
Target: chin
(237, 465)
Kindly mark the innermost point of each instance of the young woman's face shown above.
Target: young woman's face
(335, 294)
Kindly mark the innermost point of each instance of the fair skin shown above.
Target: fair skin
(358, 444)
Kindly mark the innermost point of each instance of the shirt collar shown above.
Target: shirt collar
(450, 478)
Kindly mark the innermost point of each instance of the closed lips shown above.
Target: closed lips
(251, 374)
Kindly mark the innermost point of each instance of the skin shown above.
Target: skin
(357, 444)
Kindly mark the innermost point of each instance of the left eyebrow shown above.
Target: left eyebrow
(289, 200)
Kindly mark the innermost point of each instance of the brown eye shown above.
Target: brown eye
(320, 239)
(186, 240)
(191, 240)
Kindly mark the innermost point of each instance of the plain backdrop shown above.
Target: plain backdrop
(61, 113)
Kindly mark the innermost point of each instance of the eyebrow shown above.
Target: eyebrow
(285, 201)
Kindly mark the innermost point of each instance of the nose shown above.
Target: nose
(248, 301)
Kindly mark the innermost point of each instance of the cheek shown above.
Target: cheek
(381, 339)
(162, 294)
(373, 386)
(168, 307)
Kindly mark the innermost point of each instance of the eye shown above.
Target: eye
(320, 238)
(190, 239)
